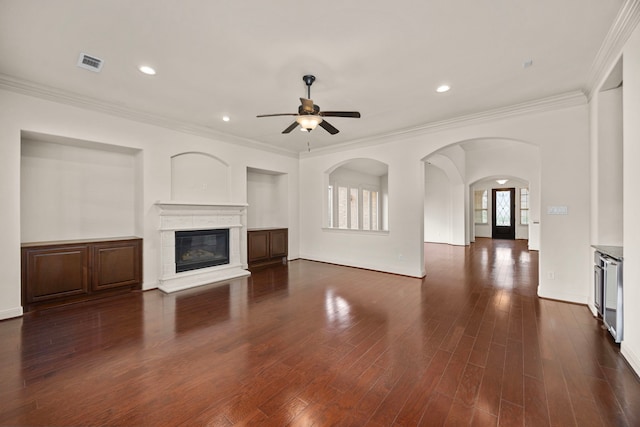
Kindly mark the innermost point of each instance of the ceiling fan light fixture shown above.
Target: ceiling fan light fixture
(309, 122)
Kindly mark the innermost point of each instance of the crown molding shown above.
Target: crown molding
(49, 93)
(37, 90)
(625, 23)
(551, 103)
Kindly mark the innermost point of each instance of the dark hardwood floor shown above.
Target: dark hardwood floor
(312, 344)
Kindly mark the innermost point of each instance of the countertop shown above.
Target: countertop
(612, 251)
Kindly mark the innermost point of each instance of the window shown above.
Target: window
(343, 207)
(524, 206)
(356, 196)
(502, 208)
(480, 206)
(330, 206)
(370, 209)
(353, 208)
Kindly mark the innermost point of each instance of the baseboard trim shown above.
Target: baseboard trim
(632, 358)
(11, 313)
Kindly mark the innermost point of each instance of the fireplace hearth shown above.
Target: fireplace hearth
(201, 249)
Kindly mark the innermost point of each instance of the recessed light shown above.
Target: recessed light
(147, 70)
(443, 88)
(225, 118)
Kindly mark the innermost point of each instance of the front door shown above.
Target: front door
(504, 213)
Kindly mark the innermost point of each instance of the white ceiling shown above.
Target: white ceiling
(244, 58)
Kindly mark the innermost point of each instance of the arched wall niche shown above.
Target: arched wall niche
(362, 178)
(199, 177)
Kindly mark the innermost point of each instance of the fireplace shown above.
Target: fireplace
(201, 249)
(190, 258)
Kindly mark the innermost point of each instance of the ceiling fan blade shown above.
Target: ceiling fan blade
(307, 105)
(328, 127)
(352, 114)
(278, 114)
(291, 127)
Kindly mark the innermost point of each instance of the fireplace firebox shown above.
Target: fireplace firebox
(197, 249)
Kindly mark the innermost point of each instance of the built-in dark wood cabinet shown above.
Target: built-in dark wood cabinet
(56, 273)
(267, 246)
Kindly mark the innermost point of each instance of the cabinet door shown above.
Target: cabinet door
(116, 264)
(258, 245)
(278, 245)
(51, 273)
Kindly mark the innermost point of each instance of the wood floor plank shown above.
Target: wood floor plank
(308, 343)
(511, 415)
(536, 412)
(483, 419)
(558, 400)
(513, 379)
(492, 379)
(437, 410)
(414, 407)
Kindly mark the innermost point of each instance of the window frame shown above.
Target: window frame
(333, 209)
(373, 226)
(482, 207)
(528, 204)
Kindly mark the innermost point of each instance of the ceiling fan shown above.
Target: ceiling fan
(309, 114)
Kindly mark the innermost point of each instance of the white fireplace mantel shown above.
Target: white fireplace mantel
(179, 216)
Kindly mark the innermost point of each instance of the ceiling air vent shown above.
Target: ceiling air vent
(90, 63)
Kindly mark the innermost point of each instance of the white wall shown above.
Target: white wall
(450, 199)
(157, 144)
(199, 177)
(267, 195)
(630, 346)
(72, 192)
(609, 197)
(561, 135)
(437, 206)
